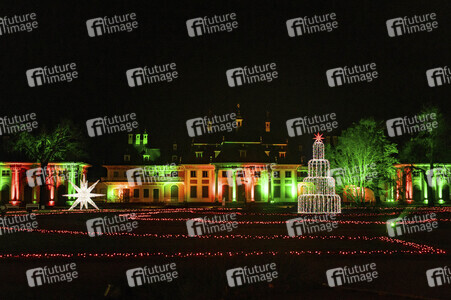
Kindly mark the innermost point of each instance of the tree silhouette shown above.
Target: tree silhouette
(63, 143)
(429, 146)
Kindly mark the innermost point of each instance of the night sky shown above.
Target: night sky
(301, 88)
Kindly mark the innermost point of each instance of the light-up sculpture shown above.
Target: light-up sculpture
(83, 194)
(319, 196)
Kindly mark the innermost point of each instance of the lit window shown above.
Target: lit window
(205, 191)
(193, 191)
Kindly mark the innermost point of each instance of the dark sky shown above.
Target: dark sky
(261, 37)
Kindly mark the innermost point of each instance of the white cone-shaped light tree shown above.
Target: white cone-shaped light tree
(318, 196)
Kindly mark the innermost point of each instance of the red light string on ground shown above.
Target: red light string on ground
(212, 254)
(281, 222)
(420, 247)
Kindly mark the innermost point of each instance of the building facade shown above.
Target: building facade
(20, 182)
(216, 182)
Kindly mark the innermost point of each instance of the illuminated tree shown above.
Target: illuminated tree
(61, 144)
(363, 158)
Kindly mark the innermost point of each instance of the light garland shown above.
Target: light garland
(217, 210)
(283, 222)
(423, 251)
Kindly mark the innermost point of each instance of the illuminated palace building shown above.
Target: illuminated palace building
(212, 168)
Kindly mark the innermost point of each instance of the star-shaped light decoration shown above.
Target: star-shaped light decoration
(83, 194)
(318, 138)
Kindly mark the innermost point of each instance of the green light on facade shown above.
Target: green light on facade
(234, 186)
(264, 185)
(110, 194)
